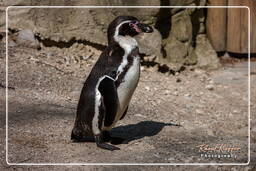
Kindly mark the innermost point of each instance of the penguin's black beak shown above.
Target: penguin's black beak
(141, 27)
(145, 28)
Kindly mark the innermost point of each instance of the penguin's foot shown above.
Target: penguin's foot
(113, 140)
(101, 144)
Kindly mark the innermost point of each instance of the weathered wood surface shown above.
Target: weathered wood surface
(237, 27)
(216, 24)
(227, 29)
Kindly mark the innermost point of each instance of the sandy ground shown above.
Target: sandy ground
(169, 117)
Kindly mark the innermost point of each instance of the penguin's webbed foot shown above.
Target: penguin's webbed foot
(113, 140)
(101, 144)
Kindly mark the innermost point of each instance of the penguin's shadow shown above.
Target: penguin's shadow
(140, 130)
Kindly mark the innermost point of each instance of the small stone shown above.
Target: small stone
(236, 111)
(178, 80)
(153, 69)
(211, 82)
(199, 111)
(147, 88)
(140, 115)
(209, 87)
(187, 95)
(142, 68)
(199, 71)
(175, 93)
(167, 92)
(27, 39)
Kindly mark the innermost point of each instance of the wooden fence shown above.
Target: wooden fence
(227, 28)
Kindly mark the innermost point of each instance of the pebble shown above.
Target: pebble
(199, 111)
(178, 80)
(211, 82)
(199, 71)
(142, 68)
(171, 158)
(187, 95)
(167, 92)
(27, 39)
(140, 115)
(175, 93)
(147, 88)
(209, 87)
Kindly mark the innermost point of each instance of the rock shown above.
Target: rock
(206, 55)
(150, 44)
(182, 27)
(167, 92)
(153, 68)
(175, 93)
(175, 50)
(147, 88)
(176, 53)
(209, 87)
(57, 24)
(178, 50)
(27, 38)
(199, 111)
(178, 80)
(187, 95)
(199, 71)
(140, 115)
(11, 43)
(211, 82)
(142, 68)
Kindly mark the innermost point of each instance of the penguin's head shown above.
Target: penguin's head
(126, 26)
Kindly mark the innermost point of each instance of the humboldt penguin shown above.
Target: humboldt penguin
(111, 83)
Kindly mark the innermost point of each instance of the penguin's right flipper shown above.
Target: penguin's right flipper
(108, 91)
(101, 144)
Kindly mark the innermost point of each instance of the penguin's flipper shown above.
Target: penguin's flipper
(124, 113)
(108, 91)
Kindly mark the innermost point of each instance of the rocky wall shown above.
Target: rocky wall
(179, 38)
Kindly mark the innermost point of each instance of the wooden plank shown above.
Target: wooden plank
(234, 28)
(252, 6)
(216, 24)
(237, 28)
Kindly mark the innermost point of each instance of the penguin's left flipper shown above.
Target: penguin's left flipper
(108, 91)
(101, 144)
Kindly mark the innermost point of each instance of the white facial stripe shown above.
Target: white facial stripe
(117, 28)
(127, 43)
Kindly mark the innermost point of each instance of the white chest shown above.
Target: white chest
(128, 85)
(130, 80)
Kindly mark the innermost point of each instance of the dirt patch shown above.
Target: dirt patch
(168, 118)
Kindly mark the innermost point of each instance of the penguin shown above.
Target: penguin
(111, 83)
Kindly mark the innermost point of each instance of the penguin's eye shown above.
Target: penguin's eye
(134, 22)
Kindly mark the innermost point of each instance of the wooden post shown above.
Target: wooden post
(237, 35)
(252, 6)
(216, 24)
